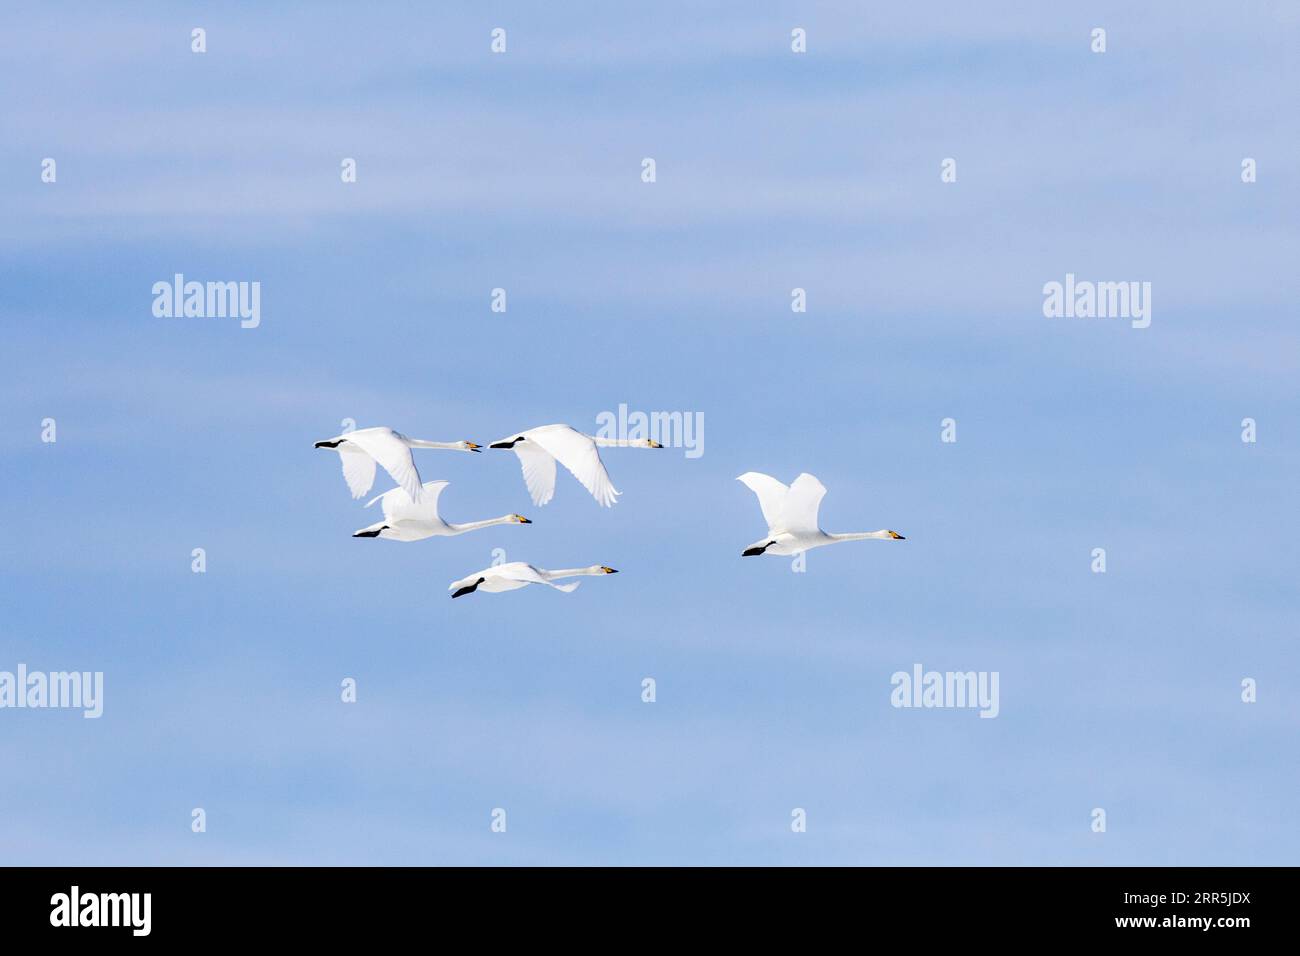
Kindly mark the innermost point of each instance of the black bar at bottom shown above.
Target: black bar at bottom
(92, 905)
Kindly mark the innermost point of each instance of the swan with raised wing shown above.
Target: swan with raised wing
(405, 520)
(362, 448)
(791, 515)
(540, 448)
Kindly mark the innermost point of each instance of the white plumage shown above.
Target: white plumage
(359, 450)
(516, 574)
(791, 516)
(407, 520)
(540, 448)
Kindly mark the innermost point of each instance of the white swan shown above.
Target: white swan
(405, 520)
(540, 448)
(517, 574)
(791, 515)
(360, 449)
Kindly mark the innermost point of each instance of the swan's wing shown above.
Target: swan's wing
(576, 452)
(519, 571)
(398, 506)
(799, 516)
(358, 469)
(385, 447)
(771, 495)
(539, 471)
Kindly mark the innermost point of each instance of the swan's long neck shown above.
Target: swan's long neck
(860, 535)
(574, 572)
(618, 442)
(421, 443)
(475, 525)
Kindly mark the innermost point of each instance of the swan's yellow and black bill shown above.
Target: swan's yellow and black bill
(608, 570)
(521, 519)
(473, 446)
(896, 536)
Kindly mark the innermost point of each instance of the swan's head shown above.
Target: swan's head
(519, 519)
(895, 535)
(468, 446)
(507, 442)
(651, 443)
(465, 585)
(601, 569)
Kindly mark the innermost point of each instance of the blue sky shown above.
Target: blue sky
(775, 171)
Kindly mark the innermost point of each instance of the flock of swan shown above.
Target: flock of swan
(411, 509)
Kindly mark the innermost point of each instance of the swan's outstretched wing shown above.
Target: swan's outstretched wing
(771, 496)
(398, 506)
(385, 447)
(527, 574)
(358, 469)
(576, 452)
(799, 516)
(539, 471)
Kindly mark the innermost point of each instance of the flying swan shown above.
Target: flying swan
(540, 448)
(517, 574)
(791, 515)
(360, 449)
(405, 520)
